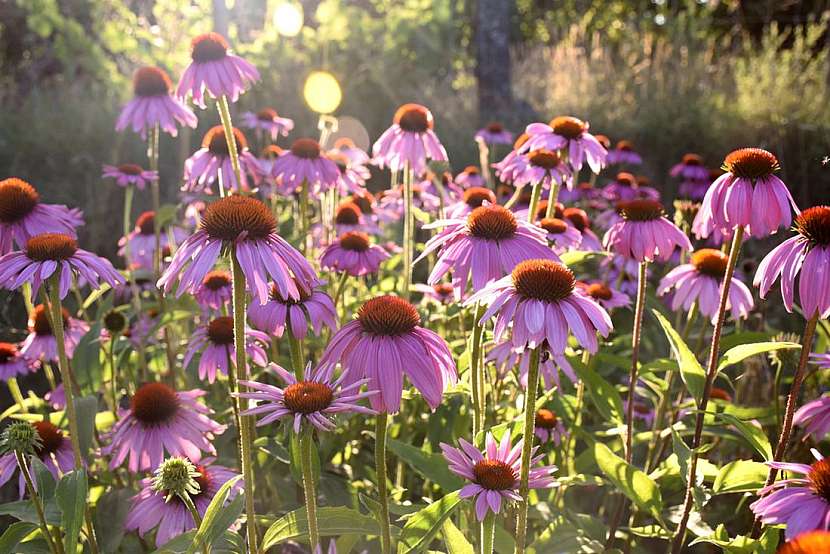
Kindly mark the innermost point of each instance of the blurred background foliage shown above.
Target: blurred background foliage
(673, 76)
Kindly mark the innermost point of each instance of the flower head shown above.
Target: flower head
(562, 235)
(644, 234)
(624, 153)
(410, 141)
(570, 135)
(152, 105)
(215, 71)
(176, 477)
(269, 121)
(543, 166)
(494, 133)
(140, 243)
(50, 445)
(212, 163)
(814, 417)
(305, 163)
(129, 174)
(12, 362)
(40, 345)
(215, 290)
(215, 343)
(548, 427)
(353, 253)
(607, 297)
(20, 436)
(315, 309)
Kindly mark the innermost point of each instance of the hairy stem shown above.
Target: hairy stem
(309, 491)
(381, 422)
(527, 447)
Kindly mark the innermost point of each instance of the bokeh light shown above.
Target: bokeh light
(288, 19)
(322, 92)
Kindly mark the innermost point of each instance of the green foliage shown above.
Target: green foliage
(423, 526)
(635, 484)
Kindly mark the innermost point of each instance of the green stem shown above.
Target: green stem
(488, 533)
(153, 156)
(527, 446)
(383, 494)
(535, 194)
(635, 359)
(230, 139)
(517, 193)
(197, 519)
(476, 376)
(303, 211)
(296, 348)
(30, 487)
(308, 486)
(113, 375)
(554, 194)
(408, 232)
(341, 285)
(14, 390)
(245, 432)
(129, 193)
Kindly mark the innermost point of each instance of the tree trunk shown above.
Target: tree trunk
(495, 97)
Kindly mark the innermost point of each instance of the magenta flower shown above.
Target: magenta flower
(644, 234)
(538, 298)
(471, 198)
(315, 309)
(161, 420)
(212, 164)
(353, 173)
(424, 197)
(12, 362)
(494, 133)
(40, 344)
(543, 166)
(494, 473)
(484, 247)
(700, 281)
(154, 105)
(814, 417)
(748, 195)
(268, 121)
(439, 292)
(561, 234)
(352, 253)
(806, 256)
(410, 141)
(690, 168)
(548, 427)
(607, 297)
(821, 360)
(580, 220)
(215, 342)
(349, 217)
(800, 503)
(305, 163)
(514, 162)
(50, 252)
(22, 216)
(626, 187)
(56, 398)
(215, 291)
(149, 510)
(55, 452)
(214, 70)
(142, 241)
(506, 357)
(385, 343)
(315, 399)
(129, 174)
(623, 153)
(571, 136)
(470, 177)
(249, 226)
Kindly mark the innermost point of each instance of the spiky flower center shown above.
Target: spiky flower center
(364, 200)
(546, 159)
(543, 280)
(692, 159)
(307, 397)
(442, 289)
(39, 322)
(51, 247)
(146, 223)
(271, 152)
(495, 127)
(568, 127)
(578, 218)
(17, 199)
(51, 438)
(520, 141)
(267, 114)
(625, 146)
(751, 163)
(215, 141)
(115, 322)
(8, 352)
(542, 210)
(545, 419)
(228, 217)
(626, 179)
(471, 170)
(641, 210)
(710, 261)
(553, 225)
(348, 213)
(220, 330)
(216, 280)
(599, 291)
(414, 118)
(151, 81)
(388, 316)
(130, 169)
(814, 225)
(354, 241)
(819, 478)
(494, 475)
(154, 404)
(492, 222)
(277, 297)
(306, 148)
(208, 47)
(811, 542)
(602, 139)
(476, 196)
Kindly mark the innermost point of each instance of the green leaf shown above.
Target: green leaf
(110, 512)
(752, 434)
(765, 544)
(741, 352)
(86, 408)
(574, 257)
(86, 360)
(603, 394)
(691, 371)
(454, 539)
(422, 527)
(331, 521)
(15, 533)
(230, 542)
(428, 465)
(71, 498)
(218, 517)
(635, 484)
(740, 476)
(44, 480)
(25, 511)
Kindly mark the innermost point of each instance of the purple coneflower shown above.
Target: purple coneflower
(249, 226)
(494, 473)
(543, 167)
(811, 542)
(582, 222)
(349, 216)
(385, 342)
(626, 187)
(814, 417)
(607, 297)
(513, 163)
(212, 164)
(214, 70)
(55, 451)
(40, 344)
(471, 198)
(506, 357)
(315, 309)
(424, 196)
(805, 256)
(644, 234)
(494, 133)
(13, 362)
(690, 168)
(439, 292)
(548, 427)
(354, 254)
(821, 360)
(154, 105)
(305, 163)
(149, 509)
(410, 141)
(22, 216)
(215, 290)
(561, 235)
(748, 195)
(801, 503)
(538, 298)
(700, 281)
(129, 174)
(316, 398)
(623, 153)
(269, 121)
(161, 420)
(215, 342)
(470, 177)
(571, 135)
(141, 242)
(484, 247)
(353, 174)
